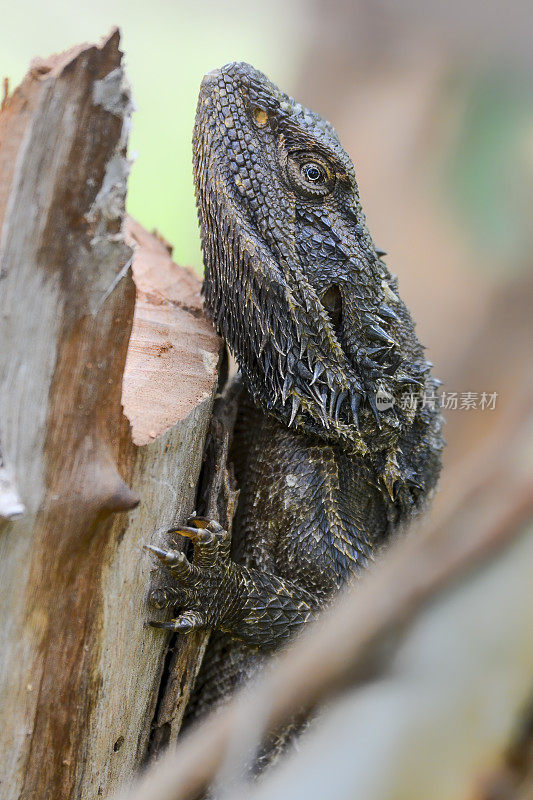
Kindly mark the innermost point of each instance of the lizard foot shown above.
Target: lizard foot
(202, 585)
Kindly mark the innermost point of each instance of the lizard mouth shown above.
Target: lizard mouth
(210, 79)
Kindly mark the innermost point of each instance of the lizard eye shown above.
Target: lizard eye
(312, 179)
(313, 172)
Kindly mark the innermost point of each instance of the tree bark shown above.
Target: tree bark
(80, 671)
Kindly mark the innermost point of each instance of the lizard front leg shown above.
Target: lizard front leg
(259, 608)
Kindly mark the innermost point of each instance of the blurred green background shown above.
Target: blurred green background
(168, 47)
(484, 67)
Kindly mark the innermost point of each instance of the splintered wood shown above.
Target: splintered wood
(169, 326)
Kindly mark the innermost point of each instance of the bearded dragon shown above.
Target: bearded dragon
(329, 458)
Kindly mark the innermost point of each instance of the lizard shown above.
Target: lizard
(329, 459)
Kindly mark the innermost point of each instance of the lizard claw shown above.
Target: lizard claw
(177, 562)
(204, 522)
(211, 541)
(168, 557)
(194, 534)
(187, 622)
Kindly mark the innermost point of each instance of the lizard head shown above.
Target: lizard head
(292, 277)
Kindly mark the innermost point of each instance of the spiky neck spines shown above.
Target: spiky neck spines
(292, 276)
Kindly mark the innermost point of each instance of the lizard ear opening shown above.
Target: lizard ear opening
(332, 302)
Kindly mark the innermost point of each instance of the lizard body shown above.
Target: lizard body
(328, 461)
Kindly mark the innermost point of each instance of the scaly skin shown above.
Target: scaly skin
(307, 306)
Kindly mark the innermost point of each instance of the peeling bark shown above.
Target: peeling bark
(79, 670)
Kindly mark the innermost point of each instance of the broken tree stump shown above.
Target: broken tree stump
(83, 485)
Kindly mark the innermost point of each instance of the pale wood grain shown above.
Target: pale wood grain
(79, 669)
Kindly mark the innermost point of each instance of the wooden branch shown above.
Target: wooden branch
(79, 669)
(359, 636)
